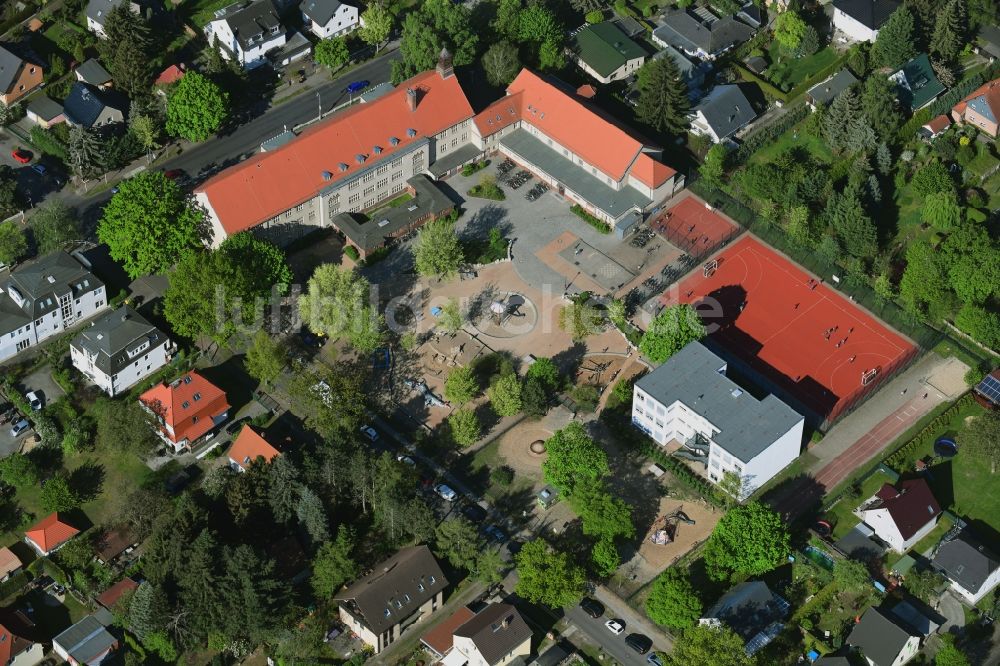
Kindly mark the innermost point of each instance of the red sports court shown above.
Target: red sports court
(693, 226)
(798, 333)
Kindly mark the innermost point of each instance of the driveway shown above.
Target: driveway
(951, 608)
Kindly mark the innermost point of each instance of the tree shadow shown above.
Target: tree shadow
(48, 459)
(797, 499)
(569, 360)
(87, 480)
(489, 217)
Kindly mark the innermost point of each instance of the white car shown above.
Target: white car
(445, 492)
(615, 626)
(34, 400)
(370, 433)
(406, 460)
(19, 428)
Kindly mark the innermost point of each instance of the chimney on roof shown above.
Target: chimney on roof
(411, 99)
(445, 66)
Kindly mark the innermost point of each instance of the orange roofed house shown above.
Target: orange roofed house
(248, 447)
(187, 409)
(981, 108)
(423, 129)
(49, 534)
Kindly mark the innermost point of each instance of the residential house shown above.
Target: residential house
(45, 297)
(752, 14)
(974, 570)
(988, 41)
(440, 640)
(935, 127)
(88, 642)
(248, 447)
(329, 18)
(187, 409)
(722, 113)
(751, 610)
(631, 27)
(111, 544)
(916, 84)
(882, 641)
(901, 516)
(171, 74)
(93, 73)
(247, 32)
(693, 73)
(981, 108)
(17, 647)
(915, 617)
(18, 76)
(45, 112)
(109, 597)
(399, 592)
(10, 564)
(90, 108)
(606, 53)
(688, 402)
(49, 534)
(120, 349)
(704, 36)
(98, 11)
(496, 636)
(860, 20)
(826, 91)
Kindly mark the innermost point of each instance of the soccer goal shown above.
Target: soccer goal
(868, 376)
(710, 267)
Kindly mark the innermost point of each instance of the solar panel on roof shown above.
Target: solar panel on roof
(989, 388)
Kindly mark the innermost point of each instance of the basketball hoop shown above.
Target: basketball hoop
(868, 376)
(708, 270)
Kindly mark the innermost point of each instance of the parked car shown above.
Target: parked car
(639, 643)
(370, 433)
(615, 626)
(39, 169)
(21, 155)
(445, 492)
(42, 582)
(592, 607)
(58, 589)
(475, 513)
(19, 428)
(654, 660)
(406, 460)
(34, 400)
(174, 174)
(494, 533)
(357, 86)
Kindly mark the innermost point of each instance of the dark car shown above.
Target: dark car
(592, 607)
(475, 513)
(639, 643)
(357, 86)
(494, 533)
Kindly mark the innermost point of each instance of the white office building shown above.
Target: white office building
(689, 401)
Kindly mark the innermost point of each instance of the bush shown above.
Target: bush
(586, 397)
(601, 227)
(595, 16)
(502, 476)
(47, 143)
(352, 252)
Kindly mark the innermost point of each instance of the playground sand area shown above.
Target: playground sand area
(655, 558)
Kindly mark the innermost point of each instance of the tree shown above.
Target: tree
(982, 439)
(895, 43)
(330, 398)
(490, 566)
(851, 575)
(505, 395)
(53, 225)
(464, 426)
(18, 470)
(980, 323)
(334, 565)
(798, 227)
(146, 132)
(932, 178)
(580, 319)
(594, 16)
(501, 63)
(196, 107)
(603, 515)
(458, 541)
(312, 515)
(941, 210)
(461, 385)
(748, 541)
(673, 601)
(546, 371)
(438, 252)
(605, 557)
(376, 25)
(950, 31)
(924, 584)
(540, 32)
(437, 24)
(573, 459)
(332, 53)
(10, 202)
(789, 30)
(968, 252)
(85, 153)
(450, 318)
(709, 646)
(124, 427)
(148, 224)
(673, 329)
(949, 654)
(982, 12)
(714, 166)
(547, 576)
(845, 126)
(149, 610)
(810, 42)
(13, 243)
(265, 358)
(508, 16)
(126, 51)
(851, 224)
(879, 107)
(335, 305)
(922, 286)
(251, 596)
(535, 400)
(57, 495)
(663, 97)
(283, 488)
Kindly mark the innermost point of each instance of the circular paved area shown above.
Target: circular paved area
(515, 448)
(520, 318)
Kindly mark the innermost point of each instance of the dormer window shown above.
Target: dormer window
(387, 611)
(185, 404)
(187, 379)
(393, 141)
(343, 167)
(411, 132)
(359, 158)
(197, 397)
(377, 150)
(420, 586)
(431, 580)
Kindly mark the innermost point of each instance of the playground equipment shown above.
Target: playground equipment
(945, 447)
(668, 532)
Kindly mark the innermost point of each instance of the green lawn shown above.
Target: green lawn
(841, 514)
(787, 71)
(795, 138)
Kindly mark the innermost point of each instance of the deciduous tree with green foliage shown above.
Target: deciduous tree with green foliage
(980, 323)
(714, 166)
(748, 541)
(663, 102)
(450, 318)
(53, 225)
(438, 252)
(332, 53)
(265, 357)
(461, 385)
(895, 43)
(932, 177)
(605, 557)
(149, 225)
(58, 495)
(334, 564)
(505, 395)
(18, 470)
(941, 210)
(437, 24)
(573, 458)
(547, 576)
(673, 601)
(709, 646)
(330, 398)
(501, 63)
(13, 243)
(672, 330)
(376, 25)
(464, 427)
(336, 305)
(580, 319)
(789, 30)
(196, 107)
(459, 542)
(923, 287)
(949, 654)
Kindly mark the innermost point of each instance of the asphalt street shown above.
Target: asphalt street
(613, 645)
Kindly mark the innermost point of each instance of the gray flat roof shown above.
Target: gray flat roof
(454, 158)
(825, 91)
(696, 377)
(591, 188)
(45, 107)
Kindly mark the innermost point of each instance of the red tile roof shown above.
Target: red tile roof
(501, 113)
(249, 446)
(586, 91)
(938, 124)
(441, 637)
(651, 172)
(170, 75)
(272, 182)
(911, 505)
(9, 563)
(187, 404)
(991, 91)
(50, 532)
(109, 597)
(11, 643)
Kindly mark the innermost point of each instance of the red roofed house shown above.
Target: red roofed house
(109, 597)
(368, 154)
(187, 408)
(981, 108)
(171, 74)
(49, 534)
(935, 127)
(15, 648)
(903, 515)
(10, 564)
(248, 447)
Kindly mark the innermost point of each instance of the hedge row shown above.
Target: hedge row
(820, 599)
(944, 103)
(683, 473)
(929, 431)
(768, 133)
(817, 77)
(769, 88)
(352, 252)
(602, 227)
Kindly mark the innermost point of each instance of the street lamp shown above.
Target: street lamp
(319, 106)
